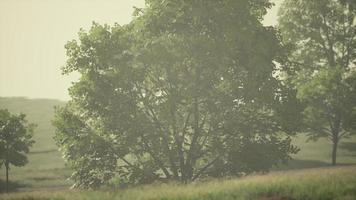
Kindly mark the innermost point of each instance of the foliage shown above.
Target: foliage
(15, 140)
(321, 36)
(186, 90)
(328, 93)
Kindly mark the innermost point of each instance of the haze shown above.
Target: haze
(34, 32)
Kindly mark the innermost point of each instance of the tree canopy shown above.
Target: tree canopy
(186, 90)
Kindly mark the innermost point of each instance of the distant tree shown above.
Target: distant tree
(350, 3)
(186, 90)
(321, 35)
(15, 140)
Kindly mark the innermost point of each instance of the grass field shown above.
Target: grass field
(318, 154)
(46, 168)
(337, 183)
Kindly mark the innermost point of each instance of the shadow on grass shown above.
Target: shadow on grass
(275, 198)
(43, 178)
(349, 146)
(302, 164)
(13, 186)
(307, 164)
(45, 151)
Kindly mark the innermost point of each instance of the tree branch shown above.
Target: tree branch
(155, 158)
(201, 171)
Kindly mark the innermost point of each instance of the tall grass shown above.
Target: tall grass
(312, 184)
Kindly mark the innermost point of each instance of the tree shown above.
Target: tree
(184, 91)
(15, 140)
(322, 37)
(349, 2)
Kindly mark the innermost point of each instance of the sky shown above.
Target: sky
(33, 34)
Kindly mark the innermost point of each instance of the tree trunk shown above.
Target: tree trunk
(335, 139)
(335, 142)
(7, 176)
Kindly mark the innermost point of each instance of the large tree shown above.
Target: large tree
(186, 90)
(321, 35)
(15, 140)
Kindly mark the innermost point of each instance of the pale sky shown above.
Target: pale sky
(33, 34)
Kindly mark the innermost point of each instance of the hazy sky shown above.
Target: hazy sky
(33, 34)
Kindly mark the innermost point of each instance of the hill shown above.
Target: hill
(46, 166)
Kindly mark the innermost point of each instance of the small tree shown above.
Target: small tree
(15, 140)
(330, 110)
(322, 37)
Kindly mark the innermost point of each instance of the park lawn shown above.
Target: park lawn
(328, 183)
(318, 153)
(321, 150)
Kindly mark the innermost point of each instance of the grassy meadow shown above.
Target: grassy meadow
(46, 170)
(46, 167)
(337, 183)
(318, 154)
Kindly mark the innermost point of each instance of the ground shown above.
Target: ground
(328, 183)
(46, 168)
